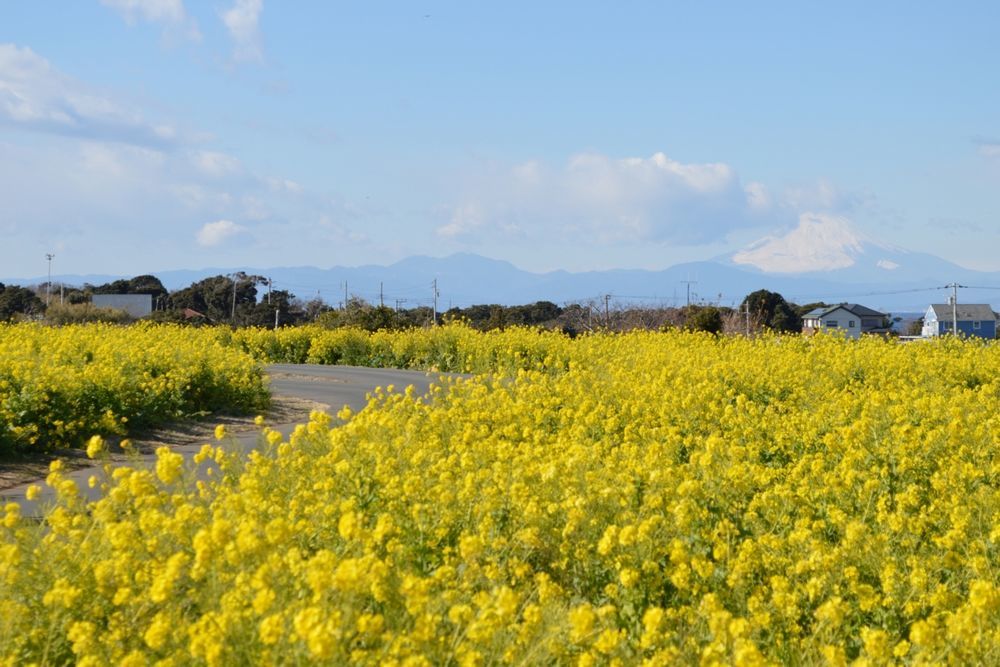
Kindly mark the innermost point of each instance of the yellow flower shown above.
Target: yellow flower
(271, 629)
(628, 577)
(95, 446)
(646, 497)
(158, 632)
(581, 620)
(169, 465)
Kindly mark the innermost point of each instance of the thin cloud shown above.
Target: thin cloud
(157, 203)
(214, 164)
(170, 13)
(36, 96)
(242, 20)
(990, 150)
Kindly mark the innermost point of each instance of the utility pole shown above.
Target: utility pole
(232, 316)
(399, 301)
(954, 307)
(689, 283)
(48, 285)
(607, 311)
(436, 295)
(345, 296)
(381, 295)
(276, 311)
(746, 309)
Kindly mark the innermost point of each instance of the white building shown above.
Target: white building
(136, 305)
(850, 319)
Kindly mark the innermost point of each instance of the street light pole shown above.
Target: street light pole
(48, 285)
(232, 316)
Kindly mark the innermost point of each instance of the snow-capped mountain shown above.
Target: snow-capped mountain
(819, 243)
(834, 248)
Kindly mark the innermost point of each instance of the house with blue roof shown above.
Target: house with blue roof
(974, 319)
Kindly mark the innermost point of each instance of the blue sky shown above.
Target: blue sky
(144, 135)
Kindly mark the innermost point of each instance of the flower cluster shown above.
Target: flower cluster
(639, 499)
(453, 348)
(60, 385)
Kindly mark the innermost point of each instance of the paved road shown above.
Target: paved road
(333, 386)
(338, 386)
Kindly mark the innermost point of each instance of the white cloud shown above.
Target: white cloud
(284, 185)
(465, 220)
(96, 176)
(989, 149)
(215, 233)
(36, 96)
(821, 195)
(169, 12)
(97, 198)
(600, 199)
(242, 21)
(758, 196)
(337, 232)
(216, 164)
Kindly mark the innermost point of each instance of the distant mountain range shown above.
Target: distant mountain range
(823, 259)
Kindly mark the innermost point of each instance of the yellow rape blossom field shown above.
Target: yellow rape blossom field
(452, 348)
(647, 498)
(60, 385)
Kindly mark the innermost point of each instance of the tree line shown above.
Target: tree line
(247, 300)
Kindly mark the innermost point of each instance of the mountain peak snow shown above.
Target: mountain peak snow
(820, 242)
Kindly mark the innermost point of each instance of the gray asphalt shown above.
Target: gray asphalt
(333, 386)
(338, 386)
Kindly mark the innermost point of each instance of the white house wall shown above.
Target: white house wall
(930, 324)
(843, 319)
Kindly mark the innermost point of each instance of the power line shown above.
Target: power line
(841, 295)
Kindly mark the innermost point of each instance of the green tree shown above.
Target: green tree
(361, 314)
(214, 298)
(705, 318)
(15, 300)
(772, 311)
(144, 284)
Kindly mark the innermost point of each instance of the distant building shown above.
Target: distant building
(136, 305)
(974, 319)
(850, 319)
